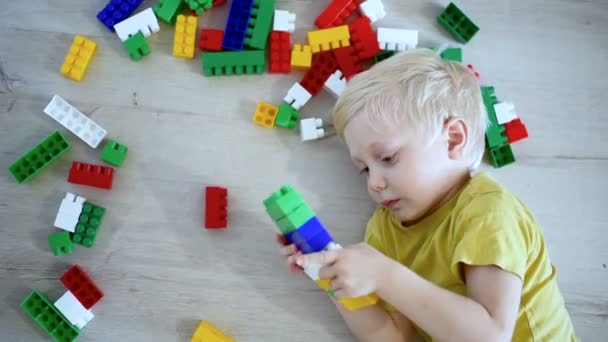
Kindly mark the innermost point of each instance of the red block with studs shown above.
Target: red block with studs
(279, 57)
(217, 3)
(348, 61)
(84, 289)
(91, 175)
(363, 38)
(323, 65)
(336, 13)
(216, 207)
(211, 40)
(472, 68)
(515, 130)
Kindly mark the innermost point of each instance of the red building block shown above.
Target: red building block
(336, 13)
(216, 203)
(348, 61)
(472, 68)
(515, 130)
(323, 65)
(279, 57)
(217, 3)
(92, 175)
(211, 40)
(363, 38)
(83, 288)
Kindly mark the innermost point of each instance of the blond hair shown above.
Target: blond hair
(420, 89)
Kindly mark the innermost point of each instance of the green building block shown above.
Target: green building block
(260, 24)
(501, 156)
(295, 219)
(168, 10)
(384, 55)
(39, 157)
(40, 309)
(283, 202)
(89, 223)
(452, 54)
(495, 133)
(457, 23)
(199, 6)
(136, 46)
(234, 62)
(114, 153)
(61, 243)
(287, 117)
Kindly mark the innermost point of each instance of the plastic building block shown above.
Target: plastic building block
(329, 38)
(237, 24)
(348, 61)
(283, 202)
(472, 68)
(116, 11)
(311, 129)
(168, 10)
(136, 46)
(457, 23)
(301, 56)
(279, 56)
(295, 219)
(384, 55)
(452, 54)
(80, 284)
(287, 117)
(351, 304)
(505, 112)
(61, 243)
(78, 58)
(397, 39)
(297, 96)
(265, 114)
(205, 332)
(217, 3)
(501, 156)
(184, 40)
(39, 157)
(284, 21)
(335, 84)
(91, 175)
(69, 212)
(336, 13)
(494, 133)
(324, 64)
(71, 309)
(373, 9)
(114, 153)
(515, 130)
(216, 203)
(199, 6)
(260, 24)
(311, 237)
(211, 40)
(40, 309)
(89, 223)
(364, 38)
(234, 62)
(144, 22)
(76, 122)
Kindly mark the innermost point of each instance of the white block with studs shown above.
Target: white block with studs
(76, 122)
(397, 39)
(505, 112)
(69, 212)
(284, 21)
(311, 129)
(144, 22)
(373, 9)
(297, 96)
(335, 84)
(73, 310)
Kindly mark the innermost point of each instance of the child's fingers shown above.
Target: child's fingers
(289, 250)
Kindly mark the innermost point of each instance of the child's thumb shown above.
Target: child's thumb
(323, 258)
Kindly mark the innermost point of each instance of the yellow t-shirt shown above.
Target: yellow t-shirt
(483, 225)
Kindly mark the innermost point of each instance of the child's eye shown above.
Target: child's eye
(364, 171)
(388, 159)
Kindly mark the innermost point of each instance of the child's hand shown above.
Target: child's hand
(290, 252)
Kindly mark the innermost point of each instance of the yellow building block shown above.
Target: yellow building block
(329, 38)
(185, 36)
(350, 304)
(301, 56)
(265, 114)
(78, 58)
(208, 333)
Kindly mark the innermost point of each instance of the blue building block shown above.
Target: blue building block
(237, 24)
(117, 11)
(311, 237)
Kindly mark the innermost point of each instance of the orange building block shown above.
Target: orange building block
(208, 333)
(350, 304)
(78, 58)
(265, 114)
(184, 41)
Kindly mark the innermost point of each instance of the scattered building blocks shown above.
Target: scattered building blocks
(311, 129)
(301, 56)
(184, 40)
(336, 13)
(284, 21)
(91, 175)
(199, 6)
(279, 55)
(40, 309)
(234, 62)
(61, 243)
(348, 61)
(69, 212)
(311, 237)
(76, 122)
(78, 58)
(324, 64)
(335, 84)
(295, 219)
(116, 11)
(237, 24)
(70, 308)
(457, 23)
(384, 55)
(136, 46)
(265, 114)
(114, 153)
(515, 131)
(144, 22)
(494, 133)
(501, 156)
(329, 38)
(452, 54)
(397, 39)
(364, 38)
(211, 40)
(505, 112)
(260, 24)
(287, 117)
(80, 284)
(373, 9)
(39, 157)
(216, 211)
(89, 223)
(472, 68)
(297, 96)
(205, 332)
(168, 10)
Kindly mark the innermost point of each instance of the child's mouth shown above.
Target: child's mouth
(390, 203)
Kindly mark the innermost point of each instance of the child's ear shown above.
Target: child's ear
(457, 134)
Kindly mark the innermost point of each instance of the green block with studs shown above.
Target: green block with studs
(501, 156)
(457, 23)
(136, 46)
(384, 55)
(287, 117)
(452, 54)
(200, 6)
(114, 153)
(283, 202)
(245, 62)
(495, 133)
(89, 223)
(43, 312)
(39, 157)
(295, 219)
(260, 24)
(61, 243)
(168, 10)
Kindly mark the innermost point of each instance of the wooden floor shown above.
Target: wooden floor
(162, 272)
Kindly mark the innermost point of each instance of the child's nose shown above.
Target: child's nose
(376, 181)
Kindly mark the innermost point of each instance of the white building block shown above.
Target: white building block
(311, 129)
(312, 270)
(144, 22)
(505, 112)
(69, 212)
(335, 84)
(397, 39)
(297, 96)
(71, 308)
(78, 123)
(284, 21)
(373, 9)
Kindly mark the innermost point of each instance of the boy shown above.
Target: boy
(451, 253)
